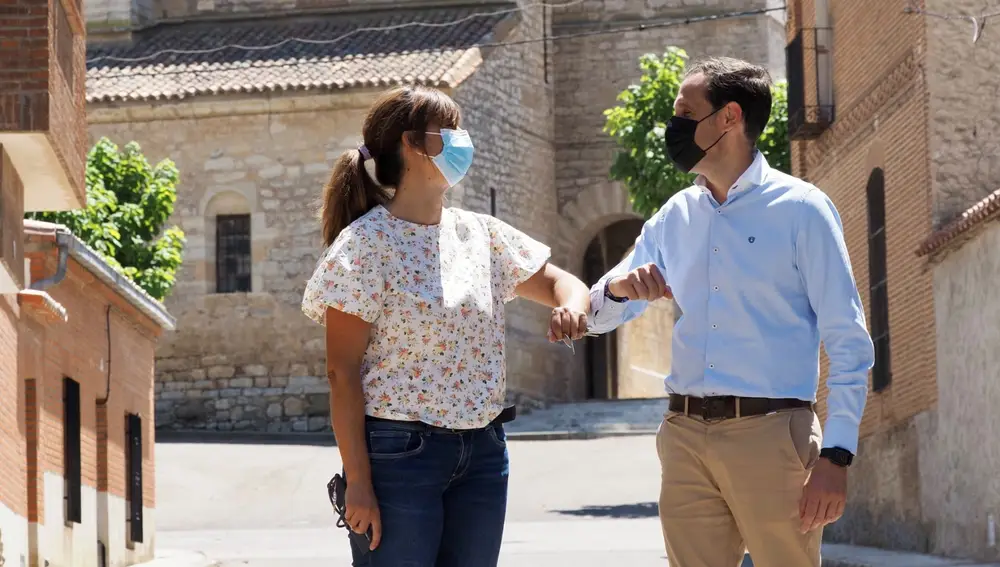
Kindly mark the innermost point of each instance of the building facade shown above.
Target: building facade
(77, 342)
(85, 357)
(890, 112)
(41, 96)
(254, 134)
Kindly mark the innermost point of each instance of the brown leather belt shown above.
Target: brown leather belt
(728, 407)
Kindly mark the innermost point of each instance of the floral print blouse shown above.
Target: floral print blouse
(434, 295)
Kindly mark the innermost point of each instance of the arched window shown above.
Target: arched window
(878, 280)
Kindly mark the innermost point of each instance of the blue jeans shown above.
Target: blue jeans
(442, 495)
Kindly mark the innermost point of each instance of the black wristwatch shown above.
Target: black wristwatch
(837, 456)
(611, 296)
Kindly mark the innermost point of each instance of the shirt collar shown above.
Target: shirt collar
(753, 177)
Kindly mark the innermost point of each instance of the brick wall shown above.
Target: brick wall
(78, 349)
(42, 77)
(12, 445)
(881, 121)
(24, 57)
(67, 88)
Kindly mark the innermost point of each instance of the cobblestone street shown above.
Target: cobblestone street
(583, 503)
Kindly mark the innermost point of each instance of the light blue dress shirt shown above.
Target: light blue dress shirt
(760, 279)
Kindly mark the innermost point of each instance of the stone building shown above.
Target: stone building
(892, 113)
(254, 133)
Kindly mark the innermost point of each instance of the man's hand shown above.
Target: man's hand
(567, 323)
(643, 283)
(362, 511)
(824, 496)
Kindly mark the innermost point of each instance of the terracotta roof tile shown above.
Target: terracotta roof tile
(365, 58)
(985, 210)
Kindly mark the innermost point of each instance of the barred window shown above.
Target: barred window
(232, 248)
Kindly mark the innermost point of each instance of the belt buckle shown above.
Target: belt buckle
(711, 406)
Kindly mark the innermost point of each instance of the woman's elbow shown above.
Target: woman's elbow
(340, 377)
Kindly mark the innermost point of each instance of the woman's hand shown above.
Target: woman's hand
(362, 511)
(567, 323)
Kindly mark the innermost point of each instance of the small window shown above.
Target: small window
(878, 281)
(493, 202)
(233, 259)
(71, 451)
(133, 472)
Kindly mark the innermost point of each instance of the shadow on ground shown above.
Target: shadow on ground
(618, 511)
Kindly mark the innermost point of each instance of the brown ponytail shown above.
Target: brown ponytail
(351, 191)
(349, 194)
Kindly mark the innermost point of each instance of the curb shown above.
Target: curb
(170, 558)
(327, 439)
(846, 555)
(575, 435)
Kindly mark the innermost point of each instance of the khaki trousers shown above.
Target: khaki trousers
(734, 485)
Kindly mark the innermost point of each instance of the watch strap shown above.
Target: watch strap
(611, 296)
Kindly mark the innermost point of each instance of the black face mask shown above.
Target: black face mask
(681, 147)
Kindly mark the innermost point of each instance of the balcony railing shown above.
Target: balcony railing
(810, 103)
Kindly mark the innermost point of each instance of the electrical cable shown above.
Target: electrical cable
(393, 27)
(589, 33)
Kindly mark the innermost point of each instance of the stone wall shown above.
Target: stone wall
(252, 361)
(961, 484)
(244, 360)
(589, 72)
(589, 79)
(185, 9)
(963, 108)
(644, 352)
(507, 107)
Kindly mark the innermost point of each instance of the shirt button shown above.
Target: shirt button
(711, 366)
(718, 212)
(715, 326)
(716, 250)
(716, 288)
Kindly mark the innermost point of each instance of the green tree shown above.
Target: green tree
(639, 121)
(128, 203)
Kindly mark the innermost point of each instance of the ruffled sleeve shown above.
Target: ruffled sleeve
(348, 278)
(516, 257)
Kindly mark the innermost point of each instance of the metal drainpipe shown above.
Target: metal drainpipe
(62, 242)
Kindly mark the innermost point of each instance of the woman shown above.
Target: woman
(412, 295)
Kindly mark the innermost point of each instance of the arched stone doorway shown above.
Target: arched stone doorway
(631, 361)
(604, 252)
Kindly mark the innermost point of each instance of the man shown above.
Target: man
(757, 262)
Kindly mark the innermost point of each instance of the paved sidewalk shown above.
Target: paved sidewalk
(175, 558)
(580, 420)
(588, 420)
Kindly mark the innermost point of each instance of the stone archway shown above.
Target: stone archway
(631, 362)
(602, 357)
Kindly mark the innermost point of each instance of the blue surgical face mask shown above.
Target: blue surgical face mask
(456, 154)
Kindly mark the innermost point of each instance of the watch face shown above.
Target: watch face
(838, 456)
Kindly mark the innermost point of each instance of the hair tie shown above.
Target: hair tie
(365, 154)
